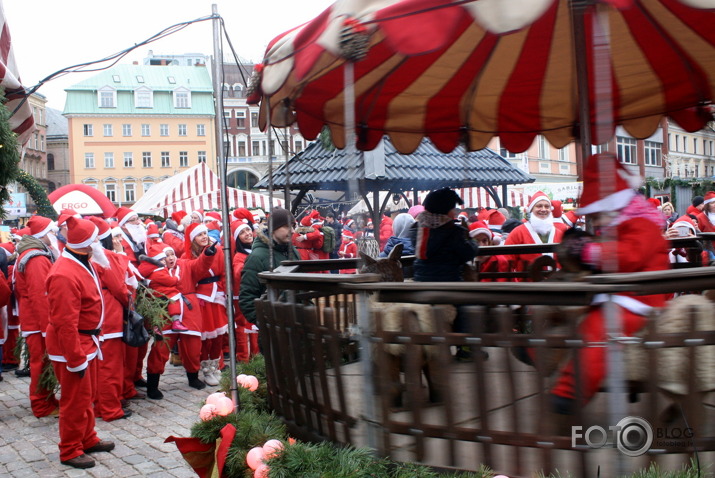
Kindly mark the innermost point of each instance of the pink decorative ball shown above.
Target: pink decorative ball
(224, 406)
(207, 412)
(272, 447)
(240, 378)
(215, 398)
(254, 457)
(251, 383)
(261, 471)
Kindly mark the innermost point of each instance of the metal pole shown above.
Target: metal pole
(226, 226)
(286, 190)
(271, 254)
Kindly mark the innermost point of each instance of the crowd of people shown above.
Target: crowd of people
(65, 284)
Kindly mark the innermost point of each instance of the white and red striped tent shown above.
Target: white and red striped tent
(22, 122)
(475, 198)
(197, 188)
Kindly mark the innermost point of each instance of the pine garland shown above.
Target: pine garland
(152, 305)
(48, 379)
(9, 154)
(21, 352)
(37, 193)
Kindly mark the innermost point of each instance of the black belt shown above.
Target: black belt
(209, 280)
(187, 302)
(90, 331)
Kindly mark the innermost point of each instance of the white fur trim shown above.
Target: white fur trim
(684, 224)
(198, 230)
(480, 230)
(116, 231)
(168, 248)
(85, 243)
(240, 228)
(614, 202)
(537, 199)
(127, 217)
(708, 201)
(44, 232)
(102, 236)
(161, 255)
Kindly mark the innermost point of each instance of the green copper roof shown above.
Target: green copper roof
(162, 80)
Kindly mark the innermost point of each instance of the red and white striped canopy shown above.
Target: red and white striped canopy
(197, 188)
(475, 198)
(465, 71)
(22, 121)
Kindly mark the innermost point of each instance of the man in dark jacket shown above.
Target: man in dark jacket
(281, 224)
(442, 247)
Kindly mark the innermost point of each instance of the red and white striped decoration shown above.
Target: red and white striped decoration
(475, 198)
(197, 188)
(22, 122)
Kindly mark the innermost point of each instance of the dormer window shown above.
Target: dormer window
(143, 97)
(172, 80)
(140, 79)
(107, 97)
(116, 79)
(182, 98)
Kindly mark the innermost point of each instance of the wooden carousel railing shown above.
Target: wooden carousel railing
(407, 398)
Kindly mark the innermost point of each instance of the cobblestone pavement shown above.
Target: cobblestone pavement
(28, 445)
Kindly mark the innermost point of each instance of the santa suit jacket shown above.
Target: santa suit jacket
(704, 223)
(525, 234)
(189, 272)
(75, 298)
(175, 240)
(32, 306)
(114, 293)
(313, 244)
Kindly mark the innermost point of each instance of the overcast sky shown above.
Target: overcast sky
(48, 35)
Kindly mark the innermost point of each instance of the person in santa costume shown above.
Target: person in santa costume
(539, 229)
(5, 294)
(152, 236)
(480, 232)
(571, 219)
(495, 220)
(706, 218)
(111, 267)
(210, 290)
(189, 271)
(639, 246)
(308, 238)
(197, 216)
(37, 254)
(348, 249)
(133, 233)
(684, 226)
(9, 361)
(246, 332)
(174, 232)
(74, 294)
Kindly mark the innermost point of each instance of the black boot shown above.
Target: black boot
(194, 380)
(152, 386)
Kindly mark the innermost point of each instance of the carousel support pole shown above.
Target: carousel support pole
(271, 257)
(286, 190)
(218, 104)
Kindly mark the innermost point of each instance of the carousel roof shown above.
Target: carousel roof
(385, 169)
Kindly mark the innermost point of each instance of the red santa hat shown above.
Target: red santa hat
(152, 230)
(237, 227)
(148, 221)
(479, 227)
(103, 229)
(306, 221)
(244, 215)
(483, 214)
(687, 222)
(65, 213)
(621, 185)
(40, 226)
(709, 197)
(557, 209)
(177, 216)
(316, 218)
(463, 214)
(570, 218)
(8, 247)
(495, 218)
(348, 234)
(123, 214)
(538, 196)
(213, 216)
(350, 223)
(166, 248)
(25, 231)
(80, 233)
(654, 201)
(200, 213)
(157, 251)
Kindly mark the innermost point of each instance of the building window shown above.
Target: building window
(107, 98)
(227, 114)
(202, 156)
(254, 119)
(129, 192)
(146, 186)
(165, 161)
(564, 169)
(183, 159)
(163, 130)
(126, 130)
(564, 154)
(685, 144)
(111, 191)
(146, 159)
(299, 146)
(200, 130)
(109, 160)
(182, 99)
(505, 153)
(128, 160)
(108, 130)
(255, 148)
(242, 180)
(652, 153)
(50, 162)
(182, 130)
(143, 98)
(544, 167)
(241, 119)
(543, 147)
(146, 130)
(677, 142)
(89, 160)
(88, 130)
(695, 145)
(626, 149)
(242, 148)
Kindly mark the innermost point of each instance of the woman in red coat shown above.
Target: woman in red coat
(246, 333)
